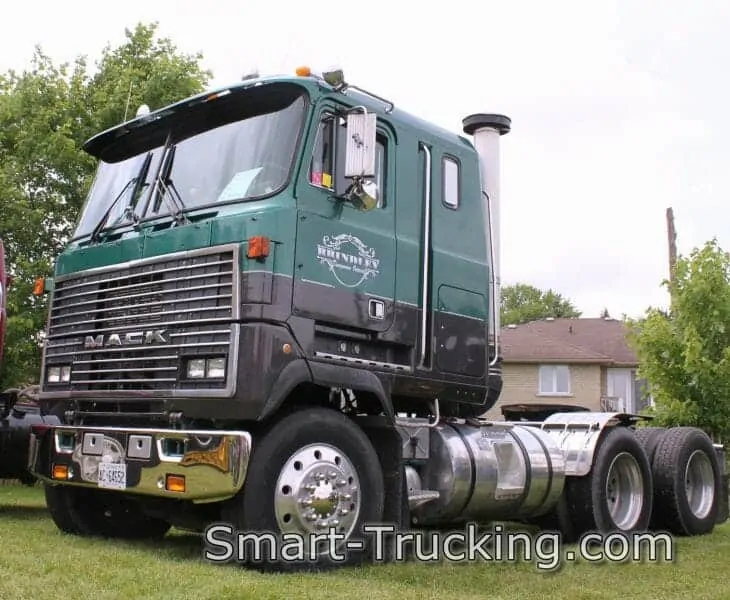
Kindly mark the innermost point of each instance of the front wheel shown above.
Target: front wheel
(314, 472)
(88, 512)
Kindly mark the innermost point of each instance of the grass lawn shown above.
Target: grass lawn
(37, 561)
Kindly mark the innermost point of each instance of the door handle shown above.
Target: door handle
(376, 309)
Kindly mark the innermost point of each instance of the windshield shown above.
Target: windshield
(113, 179)
(239, 160)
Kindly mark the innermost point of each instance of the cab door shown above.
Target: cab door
(344, 271)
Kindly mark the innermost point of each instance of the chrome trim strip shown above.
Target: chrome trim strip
(195, 288)
(121, 349)
(362, 361)
(235, 248)
(124, 328)
(146, 284)
(145, 305)
(159, 313)
(425, 291)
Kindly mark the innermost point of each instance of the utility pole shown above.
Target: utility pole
(672, 244)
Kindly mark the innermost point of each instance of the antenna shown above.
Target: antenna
(130, 64)
(129, 99)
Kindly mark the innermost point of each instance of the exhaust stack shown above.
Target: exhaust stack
(486, 131)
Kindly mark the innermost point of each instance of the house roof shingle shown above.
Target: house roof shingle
(594, 341)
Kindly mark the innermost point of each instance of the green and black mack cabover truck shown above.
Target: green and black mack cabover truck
(279, 310)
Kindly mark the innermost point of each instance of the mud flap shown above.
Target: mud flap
(723, 508)
(387, 443)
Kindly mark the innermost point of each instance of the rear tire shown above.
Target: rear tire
(649, 438)
(616, 496)
(687, 482)
(92, 513)
(312, 470)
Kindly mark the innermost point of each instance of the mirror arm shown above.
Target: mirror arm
(349, 195)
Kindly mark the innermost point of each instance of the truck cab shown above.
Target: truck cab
(179, 298)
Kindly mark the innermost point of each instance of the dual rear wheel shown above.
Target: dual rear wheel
(688, 482)
(649, 479)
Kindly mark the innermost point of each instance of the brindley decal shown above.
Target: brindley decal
(348, 259)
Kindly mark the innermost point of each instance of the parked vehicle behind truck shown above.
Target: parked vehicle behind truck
(19, 408)
(280, 309)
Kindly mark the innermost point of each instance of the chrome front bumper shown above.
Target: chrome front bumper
(202, 466)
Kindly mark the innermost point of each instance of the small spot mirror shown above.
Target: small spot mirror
(363, 195)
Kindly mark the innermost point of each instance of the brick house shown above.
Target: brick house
(581, 362)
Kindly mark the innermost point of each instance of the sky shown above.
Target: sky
(619, 109)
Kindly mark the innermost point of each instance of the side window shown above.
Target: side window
(322, 169)
(328, 158)
(451, 182)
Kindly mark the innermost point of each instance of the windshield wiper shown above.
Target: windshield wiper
(174, 201)
(129, 213)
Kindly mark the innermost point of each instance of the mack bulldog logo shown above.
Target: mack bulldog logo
(348, 258)
(112, 452)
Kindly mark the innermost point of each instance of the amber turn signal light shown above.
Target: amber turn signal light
(39, 287)
(60, 472)
(175, 483)
(258, 246)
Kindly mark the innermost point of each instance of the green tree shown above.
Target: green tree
(684, 352)
(522, 303)
(46, 114)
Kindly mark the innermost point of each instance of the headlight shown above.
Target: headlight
(206, 368)
(54, 374)
(58, 374)
(196, 368)
(216, 368)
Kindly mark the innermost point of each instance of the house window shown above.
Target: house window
(554, 380)
(619, 385)
(328, 159)
(451, 182)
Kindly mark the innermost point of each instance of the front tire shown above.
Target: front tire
(313, 471)
(92, 513)
(58, 507)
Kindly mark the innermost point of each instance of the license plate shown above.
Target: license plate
(112, 475)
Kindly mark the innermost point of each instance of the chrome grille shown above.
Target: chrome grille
(130, 327)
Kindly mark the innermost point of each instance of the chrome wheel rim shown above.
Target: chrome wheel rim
(625, 491)
(317, 491)
(699, 484)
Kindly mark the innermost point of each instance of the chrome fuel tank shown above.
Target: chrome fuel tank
(490, 471)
